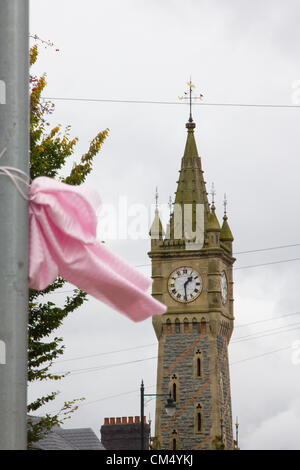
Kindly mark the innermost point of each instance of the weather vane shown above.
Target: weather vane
(189, 96)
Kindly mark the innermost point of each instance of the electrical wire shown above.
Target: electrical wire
(266, 320)
(243, 105)
(106, 353)
(262, 334)
(257, 335)
(234, 268)
(280, 317)
(251, 358)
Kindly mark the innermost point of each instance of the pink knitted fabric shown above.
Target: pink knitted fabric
(62, 242)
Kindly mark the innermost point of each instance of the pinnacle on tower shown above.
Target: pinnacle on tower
(225, 234)
(156, 231)
(213, 223)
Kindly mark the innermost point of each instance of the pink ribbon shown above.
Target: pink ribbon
(62, 221)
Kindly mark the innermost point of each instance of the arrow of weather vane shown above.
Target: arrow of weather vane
(189, 96)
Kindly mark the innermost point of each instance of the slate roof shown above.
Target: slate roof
(70, 439)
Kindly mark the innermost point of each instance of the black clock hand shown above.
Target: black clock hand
(189, 279)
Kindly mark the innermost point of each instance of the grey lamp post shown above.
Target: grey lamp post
(14, 137)
(170, 408)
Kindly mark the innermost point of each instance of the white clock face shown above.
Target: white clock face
(184, 284)
(224, 287)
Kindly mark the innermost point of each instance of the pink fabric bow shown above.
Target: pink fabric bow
(62, 222)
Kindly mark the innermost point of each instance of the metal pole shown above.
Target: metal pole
(142, 415)
(14, 135)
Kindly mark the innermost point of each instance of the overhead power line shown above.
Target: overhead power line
(235, 105)
(260, 355)
(266, 249)
(263, 334)
(246, 267)
(266, 264)
(266, 320)
(234, 268)
(257, 335)
(251, 358)
(105, 353)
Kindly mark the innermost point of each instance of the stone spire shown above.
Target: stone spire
(191, 185)
(225, 235)
(156, 231)
(191, 189)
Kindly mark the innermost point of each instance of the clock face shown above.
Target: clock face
(184, 284)
(224, 287)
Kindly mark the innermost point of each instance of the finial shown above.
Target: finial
(225, 206)
(156, 198)
(212, 193)
(188, 96)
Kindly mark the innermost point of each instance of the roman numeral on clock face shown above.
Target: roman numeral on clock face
(184, 284)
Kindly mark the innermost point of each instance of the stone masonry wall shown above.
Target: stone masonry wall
(178, 358)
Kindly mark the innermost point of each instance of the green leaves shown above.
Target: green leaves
(50, 150)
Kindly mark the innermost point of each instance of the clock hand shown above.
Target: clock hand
(185, 291)
(189, 279)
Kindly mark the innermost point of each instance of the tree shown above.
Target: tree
(50, 149)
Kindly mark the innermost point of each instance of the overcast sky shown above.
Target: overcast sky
(236, 51)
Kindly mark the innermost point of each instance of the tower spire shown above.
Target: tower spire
(156, 230)
(226, 234)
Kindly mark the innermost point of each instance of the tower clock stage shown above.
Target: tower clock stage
(196, 285)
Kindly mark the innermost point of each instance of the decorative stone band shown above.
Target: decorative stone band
(186, 404)
(182, 355)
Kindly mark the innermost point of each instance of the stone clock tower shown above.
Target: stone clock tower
(195, 283)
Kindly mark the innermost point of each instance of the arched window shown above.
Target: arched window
(185, 325)
(177, 326)
(174, 387)
(198, 363)
(174, 395)
(174, 444)
(199, 422)
(198, 367)
(195, 325)
(168, 326)
(199, 425)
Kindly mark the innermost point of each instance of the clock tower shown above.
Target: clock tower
(194, 280)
